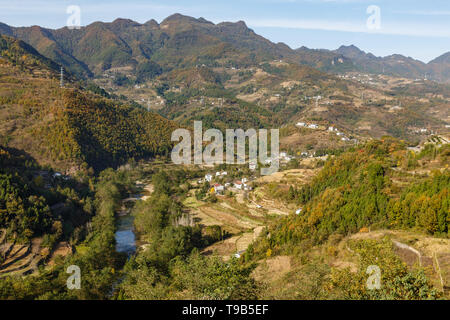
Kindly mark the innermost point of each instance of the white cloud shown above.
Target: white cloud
(345, 26)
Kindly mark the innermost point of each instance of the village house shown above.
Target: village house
(218, 188)
(238, 185)
(57, 175)
(208, 177)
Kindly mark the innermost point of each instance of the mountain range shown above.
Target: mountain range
(185, 41)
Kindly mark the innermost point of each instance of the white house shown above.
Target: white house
(331, 129)
(301, 124)
(313, 126)
(217, 173)
(218, 188)
(252, 166)
(298, 211)
(244, 180)
(224, 173)
(208, 177)
(283, 154)
(238, 184)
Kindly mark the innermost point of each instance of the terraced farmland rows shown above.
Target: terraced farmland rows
(20, 259)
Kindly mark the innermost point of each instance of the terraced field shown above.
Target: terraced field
(20, 259)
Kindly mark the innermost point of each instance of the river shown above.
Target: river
(125, 237)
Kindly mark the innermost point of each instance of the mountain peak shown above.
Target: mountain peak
(351, 49)
(239, 26)
(177, 17)
(152, 23)
(122, 21)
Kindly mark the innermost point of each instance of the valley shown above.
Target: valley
(86, 175)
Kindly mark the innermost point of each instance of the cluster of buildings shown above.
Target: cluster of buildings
(329, 129)
(361, 78)
(338, 133)
(423, 131)
(219, 188)
(282, 157)
(307, 125)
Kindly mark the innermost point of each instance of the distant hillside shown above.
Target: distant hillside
(21, 54)
(440, 67)
(66, 127)
(397, 65)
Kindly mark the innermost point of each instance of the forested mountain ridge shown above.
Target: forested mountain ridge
(356, 212)
(70, 127)
(374, 185)
(185, 41)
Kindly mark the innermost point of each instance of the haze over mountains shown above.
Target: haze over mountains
(184, 41)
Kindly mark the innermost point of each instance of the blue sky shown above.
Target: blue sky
(420, 29)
